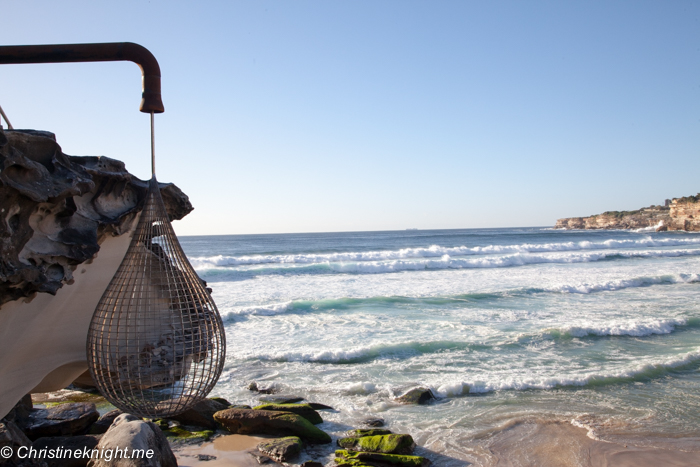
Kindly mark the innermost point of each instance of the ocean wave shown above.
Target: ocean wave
(643, 371)
(263, 310)
(366, 353)
(404, 350)
(301, 306)
(435, 251)
(618, 284)
(444, 263)
(633, 328)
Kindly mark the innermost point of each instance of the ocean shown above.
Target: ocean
(597, 329)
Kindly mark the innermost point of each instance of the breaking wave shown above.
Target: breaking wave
(297, 306)
(435, 251)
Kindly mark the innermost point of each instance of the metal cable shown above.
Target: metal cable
(4, 116)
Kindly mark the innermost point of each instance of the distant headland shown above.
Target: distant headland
(676, 214)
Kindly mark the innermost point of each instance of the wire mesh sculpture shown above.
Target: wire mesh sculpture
(156, 343)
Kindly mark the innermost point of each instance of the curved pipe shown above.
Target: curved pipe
(102, 52)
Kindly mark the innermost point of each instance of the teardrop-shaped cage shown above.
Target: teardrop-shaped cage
(156, 343)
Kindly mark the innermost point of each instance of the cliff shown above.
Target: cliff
(65, 225)
(679, 214)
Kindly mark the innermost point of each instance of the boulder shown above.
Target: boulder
(317, 406)
(221, 400)
(281, 399)
(386, 444)
(21, 410)
(255, 388)
(74, 449)
(281, 449)
(244, 421)
(416, 396)
(311, 464)
(359, 433)
(373, 459)
(62, 420)
(104, 422)
(304, 410)
(129, 433)
(201, 414)
(12, 437)
(374, 422)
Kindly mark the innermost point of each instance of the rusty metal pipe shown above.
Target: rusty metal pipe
(102, 52)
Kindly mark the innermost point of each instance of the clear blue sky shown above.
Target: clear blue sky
(298, 116)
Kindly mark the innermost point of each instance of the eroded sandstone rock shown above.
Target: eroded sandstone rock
(678, 214)
(244, 421)
(131, 433)
(304, 410)
(281, 449)
(56, 209)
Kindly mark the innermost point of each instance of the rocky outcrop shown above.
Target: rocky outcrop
(57, 209)
(678, 214)
(304, 410)
(201, 414)
(244, 421)
(281, 449)
(373, 459)
(61, 420)
(104, 422)
(685, 213)
(64, 229)
(13, 438)
(127, 434)
(648, 217)
(386, 444)
(416, 396)
(80, 444)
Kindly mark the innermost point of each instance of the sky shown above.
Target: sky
(320, 116)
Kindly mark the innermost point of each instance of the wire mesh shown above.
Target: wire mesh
(156, 343)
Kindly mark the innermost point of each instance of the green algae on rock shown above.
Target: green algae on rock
(304, 410)
(373, 459)
(386, 444)
(248, 421)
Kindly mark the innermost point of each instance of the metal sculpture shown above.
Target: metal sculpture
(156, 343)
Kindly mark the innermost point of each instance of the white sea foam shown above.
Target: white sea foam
(517, 383)
(651, 228)
(635, 328)
(618, 284)
(518, 259)
(435, 251)
(360, 387)
(264, 310)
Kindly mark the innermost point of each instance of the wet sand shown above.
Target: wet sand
(562, 444)
(229, 450)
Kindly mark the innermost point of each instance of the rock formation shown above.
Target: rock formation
(678, 214)
(64, 229)
(128, 439)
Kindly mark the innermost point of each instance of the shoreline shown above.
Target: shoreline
(519, 441)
